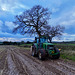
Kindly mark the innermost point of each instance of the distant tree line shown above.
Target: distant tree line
(15, 43)
(28, 42)
(10, 43)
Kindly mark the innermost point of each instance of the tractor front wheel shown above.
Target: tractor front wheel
(56, 56)
(33, 51)
(41, 55)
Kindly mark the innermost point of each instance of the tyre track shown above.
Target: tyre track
(29, 66)
(68, 67)
(11, 66)
(33, 67)
(3, 62)
(63, 68)
(20, 66)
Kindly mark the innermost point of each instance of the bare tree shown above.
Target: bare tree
(35, 21)
(32, 21)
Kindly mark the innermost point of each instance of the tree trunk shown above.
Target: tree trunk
(38, 32)
(50, 38)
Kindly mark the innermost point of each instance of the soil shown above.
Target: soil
(18, 61)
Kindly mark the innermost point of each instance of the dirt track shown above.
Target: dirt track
(18, 61)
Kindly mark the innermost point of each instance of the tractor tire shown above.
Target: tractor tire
(33, 52)
(41, 54)
(56, 56)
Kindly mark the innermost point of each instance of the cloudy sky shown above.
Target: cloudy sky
(63, 13)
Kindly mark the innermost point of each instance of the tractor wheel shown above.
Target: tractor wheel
(41, 55)
(33, 51)
(56, 56)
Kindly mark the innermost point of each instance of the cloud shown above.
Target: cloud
(56, 2)
(65, 37)
(4, 36)
(1, 23)
(69, 35)
(70, 22)
(66, 18)
(11, 6)
(19, 5)
(52, 2)
(10, 25)
(54, 10)
(15, 39)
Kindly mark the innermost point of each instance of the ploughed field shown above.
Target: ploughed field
(18, 61)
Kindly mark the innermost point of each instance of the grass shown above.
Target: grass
(66, 47)
(68, 55)
(25, 44)
(67, 51)
(65, 44)
(26, 48)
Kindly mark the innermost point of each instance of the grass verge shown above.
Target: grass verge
(67, 52)
(25, 44)
(67, 55)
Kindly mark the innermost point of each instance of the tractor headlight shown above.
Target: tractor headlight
(59, 49)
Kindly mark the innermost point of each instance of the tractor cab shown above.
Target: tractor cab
(41, 40)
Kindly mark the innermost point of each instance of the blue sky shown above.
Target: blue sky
(63, 13)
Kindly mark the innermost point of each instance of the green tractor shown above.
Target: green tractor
(43, 48)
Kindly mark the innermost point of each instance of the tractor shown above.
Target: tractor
(43, 48)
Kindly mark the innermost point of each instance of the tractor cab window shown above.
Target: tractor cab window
(42, 40)
(37, 40)
(50, 47)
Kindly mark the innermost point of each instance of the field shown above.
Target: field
(16, 60)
